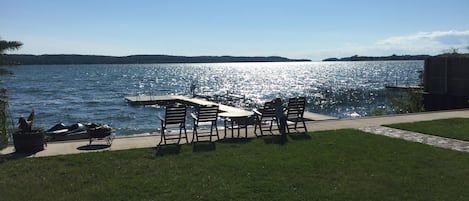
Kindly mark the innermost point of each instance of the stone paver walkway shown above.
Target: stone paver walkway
(437, 141)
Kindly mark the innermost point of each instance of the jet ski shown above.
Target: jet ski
(61, 132)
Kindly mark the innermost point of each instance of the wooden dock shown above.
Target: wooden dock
(317, 117)
(155, 100)
(403, 87)
(151, 100)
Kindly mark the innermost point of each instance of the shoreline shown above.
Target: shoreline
(58, 59)
(149, 141)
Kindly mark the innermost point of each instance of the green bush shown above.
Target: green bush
(3, 130)
(409, 102)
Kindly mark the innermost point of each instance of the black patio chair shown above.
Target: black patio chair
(205, 114)
(175, 117)
(295, 113)
(265, 116)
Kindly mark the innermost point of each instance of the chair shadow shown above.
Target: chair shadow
(92, 147)
(235, 140)
(203, 146)
(300, 136)
(172, 149)
(275, 139)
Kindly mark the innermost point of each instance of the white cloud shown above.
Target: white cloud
(431, 43)
(426, 42)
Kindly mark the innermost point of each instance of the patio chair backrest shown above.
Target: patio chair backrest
(268, 110)
(175, 114)
(207, 113)
(296, 107)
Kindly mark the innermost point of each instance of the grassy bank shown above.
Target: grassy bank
(330, 165)
(456, 128)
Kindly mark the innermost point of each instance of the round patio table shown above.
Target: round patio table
(238, 117)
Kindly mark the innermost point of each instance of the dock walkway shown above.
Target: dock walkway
(152, 100)
(404, 87)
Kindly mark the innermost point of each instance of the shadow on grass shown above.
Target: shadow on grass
(14, 156)
(203, 146)
(275, 139)
(235, 140)
(92, 147)
(299, 136)
(172, 149)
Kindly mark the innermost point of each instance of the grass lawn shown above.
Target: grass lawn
(330, 165)
(456, 128)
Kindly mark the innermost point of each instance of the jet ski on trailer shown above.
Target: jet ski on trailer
(61, 132)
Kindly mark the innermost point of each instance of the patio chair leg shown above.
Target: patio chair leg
(185, 135)
(271, 123)
(211, 132)
(304, 124)
(216, 129)
(193, 135)
(255, 129)
(180, 135)
(194, 132)
(161, 137)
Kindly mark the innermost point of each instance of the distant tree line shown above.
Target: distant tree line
(135, 59)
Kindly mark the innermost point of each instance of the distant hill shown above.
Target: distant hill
(384, 58)
(134, 59)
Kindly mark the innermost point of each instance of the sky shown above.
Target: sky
(299, 29)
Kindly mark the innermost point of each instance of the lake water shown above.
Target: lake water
(95, 93)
